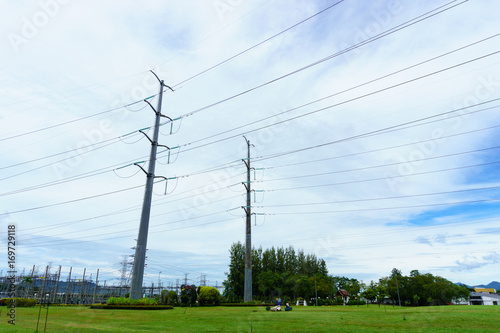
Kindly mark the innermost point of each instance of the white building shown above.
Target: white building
(484, 298)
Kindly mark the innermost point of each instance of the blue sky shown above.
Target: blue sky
(353, 152)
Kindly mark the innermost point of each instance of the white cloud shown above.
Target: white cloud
(89, 58)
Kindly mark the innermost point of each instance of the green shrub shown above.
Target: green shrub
(169, 297)
(19, 302)
(164, 296)
(144, 301)
(209, 296)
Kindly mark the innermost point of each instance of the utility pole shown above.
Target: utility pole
(248, 240)
(57, 285)
(397, 288)
(81, 288)
(95, 286)
(67, 287)
(142, 239)
(29, 284)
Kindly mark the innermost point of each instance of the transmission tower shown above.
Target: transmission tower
(248, 234)
(142, 239)
(125, 263)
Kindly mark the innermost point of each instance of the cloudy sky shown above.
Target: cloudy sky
(373, 127)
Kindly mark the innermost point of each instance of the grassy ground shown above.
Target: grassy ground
(249, 319)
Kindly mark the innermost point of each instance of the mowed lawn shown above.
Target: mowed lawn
(257, 319)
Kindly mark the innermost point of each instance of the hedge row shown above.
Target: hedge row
(131, 307)
(19, 302)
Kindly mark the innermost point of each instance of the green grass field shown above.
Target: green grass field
(247, 319)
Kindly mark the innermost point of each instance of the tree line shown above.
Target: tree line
(289, 274)
(416, 289)
(281, 272)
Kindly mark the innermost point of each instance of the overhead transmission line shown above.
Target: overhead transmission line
(73, 120)
(370, 133)
(388, 164)
(317, 100)
(404, 25)
(71, 201)
(258, 44)
(52, 242)
(486, 188)
(78, 240)
(415, 20)
(402, 230)
(388, 148)
(275, 155)
(177, 84)
(350, 89)
(72, 223)
(373, 179)
(348, 101)
(295, 108)
(125, 222)
(385, 208)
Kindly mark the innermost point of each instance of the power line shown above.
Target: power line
(382, 198)
(72, 121)
(404, 25)
(69, 240)
(372, 133)
(349, 89)
(354, 99)
(72, 223)
(385, 208)
(258, 44)
(72, 201)
(395, 163)
(391, 147)
(373, 179)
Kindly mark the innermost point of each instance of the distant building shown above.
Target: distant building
(344, 294)
(484, 298)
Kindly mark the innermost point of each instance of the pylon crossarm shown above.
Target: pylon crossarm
(146, 136)
(152, 107)
(137, 163)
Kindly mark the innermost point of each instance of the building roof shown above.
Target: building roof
(487, 290)
(343, 292)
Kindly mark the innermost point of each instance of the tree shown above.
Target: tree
(28, 280)
(268, 281)
(275, 271)
(188, 294)
(290, 261)
(371, 292)
(235, 284)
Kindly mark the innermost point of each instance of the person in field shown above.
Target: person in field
(278, 305)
